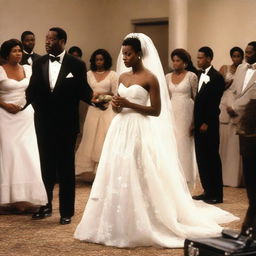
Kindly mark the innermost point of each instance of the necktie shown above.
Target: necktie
(53, 58)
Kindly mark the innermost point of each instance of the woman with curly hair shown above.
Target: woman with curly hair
(182, 84)
(103, 81)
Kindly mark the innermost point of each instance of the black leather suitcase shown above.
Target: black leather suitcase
(219, 246)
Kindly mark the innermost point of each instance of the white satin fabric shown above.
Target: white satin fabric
(139, 196)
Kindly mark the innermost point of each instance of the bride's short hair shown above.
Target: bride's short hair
(134, 42)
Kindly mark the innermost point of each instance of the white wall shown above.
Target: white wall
(90, 24)
(220, 24)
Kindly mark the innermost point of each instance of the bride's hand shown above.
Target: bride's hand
(11, 108)
(120, 102)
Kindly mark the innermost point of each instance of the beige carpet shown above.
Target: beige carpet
(19, 235)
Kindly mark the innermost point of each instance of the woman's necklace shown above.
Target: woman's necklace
(100, 72)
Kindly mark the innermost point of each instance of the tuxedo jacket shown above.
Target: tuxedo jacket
(241, 98)
(57, 109)
(24, 58)
(207, 100)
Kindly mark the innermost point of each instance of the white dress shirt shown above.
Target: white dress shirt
(29, 60)
(248, 76)
(201, 78)
(54, 69)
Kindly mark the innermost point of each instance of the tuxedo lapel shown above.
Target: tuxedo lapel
(250, 83)
(198, 91)
(204, 85)
(45, 68)
(241, 80)
(202, 88)
(64, 70)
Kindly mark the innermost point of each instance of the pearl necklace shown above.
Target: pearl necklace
(100, 72)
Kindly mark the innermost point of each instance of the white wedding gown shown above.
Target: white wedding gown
(20, 172)
(183, 107)
(138, 198)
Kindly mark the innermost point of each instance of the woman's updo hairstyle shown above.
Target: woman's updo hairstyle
(134, 42)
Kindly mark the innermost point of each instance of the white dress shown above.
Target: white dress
(182, 95)
(20, 173)
(95, 126)
(137, 200)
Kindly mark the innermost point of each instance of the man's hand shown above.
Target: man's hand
(99, 104)
(231, 112)
(203, 128)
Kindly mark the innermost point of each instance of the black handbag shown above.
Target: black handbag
(229, 244)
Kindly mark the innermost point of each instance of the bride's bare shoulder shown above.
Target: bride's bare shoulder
(123, 76)
(150, 76)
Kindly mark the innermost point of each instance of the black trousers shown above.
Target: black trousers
(249, 171)
(56, 149)
(209, 162)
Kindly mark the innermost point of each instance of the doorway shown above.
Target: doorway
(157, 30)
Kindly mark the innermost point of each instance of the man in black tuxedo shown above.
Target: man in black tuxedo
(28, 42)
(206, 128)
(57, 84)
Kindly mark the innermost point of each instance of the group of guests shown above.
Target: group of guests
(196, 96)
(218, 150)
(49, 132)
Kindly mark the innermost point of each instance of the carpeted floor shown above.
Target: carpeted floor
(20, 236)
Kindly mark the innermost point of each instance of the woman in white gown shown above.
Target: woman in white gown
(139, 196)
(20, 173)
(182, 86)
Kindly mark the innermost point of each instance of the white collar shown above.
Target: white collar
(207, 69)
(60, 55)
(27, 52)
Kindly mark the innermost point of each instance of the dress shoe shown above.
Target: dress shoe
(200, 197)
(213, 200)
(65, 220)
(42, 213)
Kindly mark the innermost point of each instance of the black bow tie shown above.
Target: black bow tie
(53, 58)
(252, 66)
(203, 71)
(27, 55)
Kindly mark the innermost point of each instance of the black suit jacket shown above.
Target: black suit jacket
(57, 110)
(207, 100)
(24, 59)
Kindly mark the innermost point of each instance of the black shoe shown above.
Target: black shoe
(43, 212)
(213, 200)
(200, 197)
(65, 220)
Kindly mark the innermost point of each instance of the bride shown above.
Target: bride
(139, 196)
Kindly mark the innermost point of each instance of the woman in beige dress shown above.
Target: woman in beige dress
(229, 140)
(182, 86)
(103, 81)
